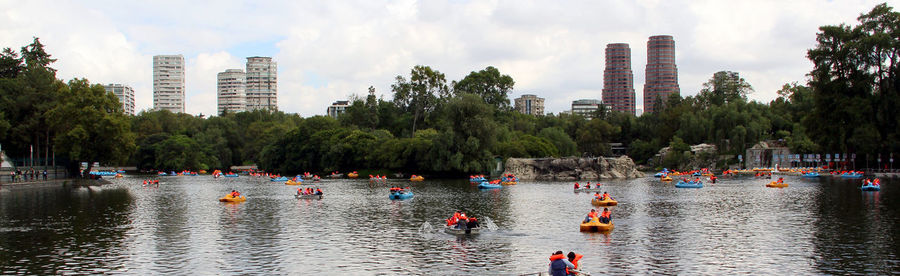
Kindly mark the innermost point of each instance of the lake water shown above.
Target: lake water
(818, 226)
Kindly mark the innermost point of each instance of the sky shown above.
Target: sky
(329, 50)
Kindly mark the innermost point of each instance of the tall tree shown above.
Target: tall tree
(424, 92)
(91, 125)
(488, 84)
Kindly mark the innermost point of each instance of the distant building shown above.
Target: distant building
(125, 94)
(231, 88)
(262, 83)
(638, 112)
(618, 79)
(661, 72)
(168, 83)
(586, 107)
(337, 108)
(530, 104)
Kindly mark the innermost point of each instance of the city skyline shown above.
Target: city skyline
(327, 51)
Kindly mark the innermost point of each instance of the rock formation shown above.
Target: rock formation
(572, 168)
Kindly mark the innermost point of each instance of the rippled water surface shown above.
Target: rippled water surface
(736, 226)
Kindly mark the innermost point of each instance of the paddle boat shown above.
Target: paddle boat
(119, 175)
(696, 174)
(811, 174)
(775, 184)
(666, 179)
(606, 202)
(282, 178)
(509, 180)
(231, 175)
(314, 196)
(591, 190)
(292, 182)
(690, 184)
(870, 187)
(852, 175)
(353, 175)
(162, 174)
(416, 178)
(488, 185)
(594, 225)
(229, 198)
(402, 194)
(456, 231)
(660, 174)
(477, 179)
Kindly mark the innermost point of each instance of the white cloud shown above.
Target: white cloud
(328, 49)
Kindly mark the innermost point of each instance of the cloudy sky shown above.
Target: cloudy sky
(327, 50)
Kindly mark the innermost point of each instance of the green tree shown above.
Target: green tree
(488, 84)
(91, 126)
(424, 92)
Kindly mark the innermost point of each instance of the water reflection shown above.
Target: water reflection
(734, 226)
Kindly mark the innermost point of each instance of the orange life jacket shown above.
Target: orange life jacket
(592, 214)
(605, 214)
(574, 262)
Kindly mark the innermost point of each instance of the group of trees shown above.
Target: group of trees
(432, 125)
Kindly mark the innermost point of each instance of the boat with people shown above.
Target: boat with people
(608, 201)
(776, 184)
(689, 184)
(666, 179)
(231, 174)
(312, 196)
(234, 196)
(852, 174)
(460, 224)
(294, 181)
(490, 185)
(811, 174)
(870, 185)
(398, 193)
(594, 225)
(353, 175)
(416, 178)
(477, 178)
(279, 178)
(588, 190)
(509, 179)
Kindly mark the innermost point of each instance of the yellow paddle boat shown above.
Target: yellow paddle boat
(666, 179)
(417, 178)
(775, 184)
(596, 226)
(229, 198)
(292, 182)
(352, 175)
(607, 202)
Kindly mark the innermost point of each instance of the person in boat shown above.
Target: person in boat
(473, 223)
(588, 186)
(591, 215)
(319, 191)
(877, 182)
(605, 217)
(713, 178)
(576, 185)
(597, 195)
(573, 258)
(558, 264)
(780, 180)
(462, 223)
(605, 196)
(235, 194)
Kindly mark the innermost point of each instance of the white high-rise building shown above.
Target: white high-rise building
(262, 83)
(125, 94)
(231, 89)
(168, 83)
(337, 108)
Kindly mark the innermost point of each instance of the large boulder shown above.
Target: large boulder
(572, 168)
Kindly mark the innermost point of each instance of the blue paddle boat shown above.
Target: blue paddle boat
(851, 175)
(282, 179)
(870, 187)
(811, 175)
(486, 185)
(691, 184)
(401, 195)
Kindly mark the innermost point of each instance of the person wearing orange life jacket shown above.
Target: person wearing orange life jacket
(591, 215)
(597, 195)
(559, 264)
(780, 180)
(573, 258)
(605, 196)
(605, 217)
(319, 191)
(576, 185)
(235, 194)
(473, 223)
